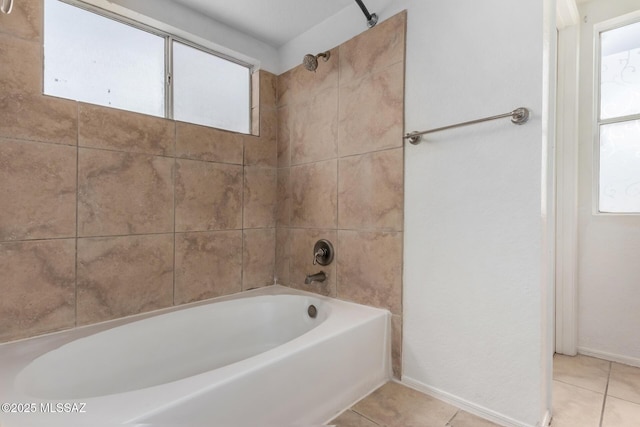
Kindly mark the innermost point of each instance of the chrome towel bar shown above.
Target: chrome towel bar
(519, 116)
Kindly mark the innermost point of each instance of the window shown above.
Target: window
(109, 61)
(619, 120)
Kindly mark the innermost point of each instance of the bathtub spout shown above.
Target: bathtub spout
(318, 277)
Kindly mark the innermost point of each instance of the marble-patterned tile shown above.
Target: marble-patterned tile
(260, 191)
(575, 406)
(283, 207)
(352, 419)
(620, 413)
(373, 50)
(258, 261)
(255, 121)
(283, 255)
(314, 195)
(255, 89)
(208, 265)
(25, 20)
(263, 150)
(396, 405)
(314, 133)
(465, 419)
(124, 193)
(284, 137)
(37, 287)
(121, 276)
(371, 112)
(396, 345)
(624, 383)
(38, 118)
(21, 67)
(268, 82)
(297, 84)
(582, 371)
(371, 191)
(301, 261)
(208, 144)
(113, 129)
(370, 268)
(38, 188)
(208, 196)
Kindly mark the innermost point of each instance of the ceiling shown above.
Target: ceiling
(264, 19)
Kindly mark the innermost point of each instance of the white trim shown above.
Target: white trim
(470, 407)
(566, 14)
(625, 360)
(567, 192)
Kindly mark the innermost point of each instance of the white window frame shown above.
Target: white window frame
(169, 38)
(598, 28)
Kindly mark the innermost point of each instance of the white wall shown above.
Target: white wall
(608, 267)
(476, 276)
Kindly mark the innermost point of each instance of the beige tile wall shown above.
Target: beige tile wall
(340, 171)
(106, 213)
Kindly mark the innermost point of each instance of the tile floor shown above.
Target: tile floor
(587, 392)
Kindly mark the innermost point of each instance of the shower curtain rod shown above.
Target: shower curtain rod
(372, 18)
(519, 116)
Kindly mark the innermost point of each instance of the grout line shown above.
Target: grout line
(76, 238)
(363, 416)
(174, 172)
(604, 400)
(451, 419)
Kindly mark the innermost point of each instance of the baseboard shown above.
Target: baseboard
(625, 360)
(470, 407)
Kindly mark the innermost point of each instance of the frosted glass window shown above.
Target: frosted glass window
(98, 60)
(620, 71)
(209, 90)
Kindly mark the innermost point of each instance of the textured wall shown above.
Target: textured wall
(340, 171)
(106, 213)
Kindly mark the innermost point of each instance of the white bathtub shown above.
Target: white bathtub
(253, 359)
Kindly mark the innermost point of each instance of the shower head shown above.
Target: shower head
(310, 61)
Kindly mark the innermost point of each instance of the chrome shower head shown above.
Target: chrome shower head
(310, 61)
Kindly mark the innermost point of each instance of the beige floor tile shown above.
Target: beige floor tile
(352, 419)
(395, 405)
(465, 419)
(582, 371)
(575, 406)
(625, 383)
(620, 413)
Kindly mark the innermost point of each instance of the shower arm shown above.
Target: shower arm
(372, 18)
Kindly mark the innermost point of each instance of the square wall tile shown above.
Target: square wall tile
(38, 188)
(370, 268)
(124, 193)
(121, 276)
(208, 144)
(21, 67)
(283, 255)
(208, 265)
(25, 21)
(208, 196)
(259, 255)
(37, 286)
(263, 150)
(284, 137)
(374, 50)
(260, 190)
(113, 129)
(299, 83)
(314, 133)
(283, 203)
(268, 82)
(371, 191)
(38, 117)
(314, 195)
(301, 261)
(371, 114)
